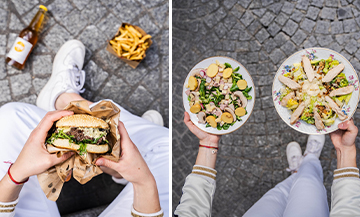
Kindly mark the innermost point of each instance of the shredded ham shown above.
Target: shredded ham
(187, 92)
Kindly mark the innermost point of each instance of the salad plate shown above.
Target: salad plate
(314, 90)
(217, 93)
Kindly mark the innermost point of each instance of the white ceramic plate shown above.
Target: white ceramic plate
(249, 108)
(315, 53)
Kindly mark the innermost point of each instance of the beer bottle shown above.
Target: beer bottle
(26, 41)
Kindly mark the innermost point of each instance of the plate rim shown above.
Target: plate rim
(272, 90)
(254, 97)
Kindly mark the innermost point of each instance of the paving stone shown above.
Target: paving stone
(324, 39)
(5, 91)
(299, 37)
(2, 68)
(15, 23)
(141, 98)
(317, 3)
(74, 22)
(237, 11)
(342, 38)
(322, 27)
(95, 76)
(109, 25)
(288, 48)
(94, 11)
(116, 89)
(38, 84)
(302, 4)
(60, 9)
(297, 16)
(357, 4)
(2, 44)
(20, 84)
(328, 13)
(288, 7)
(80, 4)
(3, 4)
(312, 13)
(91, 34)
(281, 18)
(337, 27)
(307, 25)
(267, 19)
(350, 26)
(4, 19)
(310, 42)
(244, 3)
(259, 11)
(148, 26)
(351, 46)
(262, 35)
(56, 37)
(30, 99)
(344, 13)
(23, 6)
(126, 10)
(331, 3)
(42, 65)
(150, 3)
(247, 18)
(355, 12)
(273, 29)
(161, 15)
(290, 27)
(276, 56)
(281, 39)
(254, 27)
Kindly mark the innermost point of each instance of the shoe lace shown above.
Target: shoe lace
(77, 78)
(295, 163)
(313, 146)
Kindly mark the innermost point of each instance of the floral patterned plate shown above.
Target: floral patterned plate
(315, 54)
(249, 108)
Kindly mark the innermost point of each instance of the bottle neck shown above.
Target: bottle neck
(37, 21)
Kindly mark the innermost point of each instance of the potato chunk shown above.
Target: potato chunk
(195, 108)
(211, 120)
(240, 111)
(227, 117)
(212, 70)
(242, 84)
(227, 73)
(193, 83)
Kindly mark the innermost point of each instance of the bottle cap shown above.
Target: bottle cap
(43, 7)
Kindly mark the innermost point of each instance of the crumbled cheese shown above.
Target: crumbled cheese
(224, 92)
(227, 96)
(197, 102)
(91, 132)
(221, 87)
(218, 120)
(217, 79)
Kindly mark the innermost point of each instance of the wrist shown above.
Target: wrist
(209, 143)
(346, 156)
(206, 157)
(17, 174)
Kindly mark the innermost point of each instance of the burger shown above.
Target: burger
(82, 133)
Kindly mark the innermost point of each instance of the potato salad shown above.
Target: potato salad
(218, 95)
(315, 91)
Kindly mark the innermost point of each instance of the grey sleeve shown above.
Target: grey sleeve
(197, 193)
(345, 193)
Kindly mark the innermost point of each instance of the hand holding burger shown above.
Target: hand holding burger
(134, 169)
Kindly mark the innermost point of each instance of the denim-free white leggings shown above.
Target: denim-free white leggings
(300, 195)
(19, 119)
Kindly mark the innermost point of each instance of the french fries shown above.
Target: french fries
(130, 44)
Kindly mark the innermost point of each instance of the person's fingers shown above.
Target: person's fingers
(107, 163)
(56, 160)
(188, 122)
(349, 126)
(122, 130)
(49, 119)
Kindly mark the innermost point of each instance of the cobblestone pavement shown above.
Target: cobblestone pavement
(260, 34)
(93, 22)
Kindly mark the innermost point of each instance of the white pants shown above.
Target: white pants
(19, 119)
(301, 194)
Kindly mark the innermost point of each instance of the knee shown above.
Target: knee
(10, 110)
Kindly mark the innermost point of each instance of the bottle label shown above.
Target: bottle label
(20, 50)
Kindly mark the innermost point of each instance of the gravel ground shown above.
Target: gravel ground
(260, 34)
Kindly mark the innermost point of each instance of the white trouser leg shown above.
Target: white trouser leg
(153, 142)
(273, 203)
(308, 195)
(17, 121)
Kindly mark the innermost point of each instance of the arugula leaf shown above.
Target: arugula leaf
(237, 69)
(227, 65)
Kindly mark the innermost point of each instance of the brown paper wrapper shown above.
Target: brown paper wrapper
(132, 63)
(83, 168)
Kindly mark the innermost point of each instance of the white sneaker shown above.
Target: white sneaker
(153, 116)
(294, 156)
(315, 144)
(66, 77)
